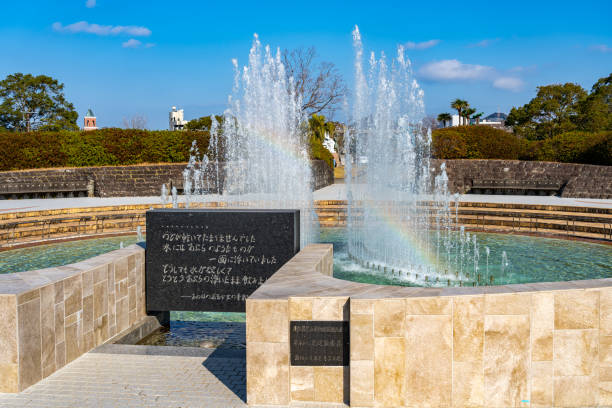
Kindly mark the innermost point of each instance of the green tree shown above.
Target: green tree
(203, 123)
(35, 103)
(596, 109)
(477, 117)
(459, 105)
(444, 117)
(467, 114)
(554, 110)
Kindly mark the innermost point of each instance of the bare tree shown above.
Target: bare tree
(318, 84)
(135, 122)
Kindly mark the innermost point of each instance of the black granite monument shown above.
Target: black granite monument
(212, 260)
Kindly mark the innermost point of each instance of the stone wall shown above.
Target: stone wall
(52, 316)
(122, 181)
(542, 344)
(577, 180)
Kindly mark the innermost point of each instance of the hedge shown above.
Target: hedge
(485, 142)
(106, 147)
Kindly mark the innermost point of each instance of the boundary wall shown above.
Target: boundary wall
(52, 316)
(538, 345)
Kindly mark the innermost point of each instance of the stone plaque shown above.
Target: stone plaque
(212, 260)
(319, 343)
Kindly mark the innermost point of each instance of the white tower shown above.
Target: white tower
(176, 121)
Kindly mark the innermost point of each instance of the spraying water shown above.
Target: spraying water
(400, 212)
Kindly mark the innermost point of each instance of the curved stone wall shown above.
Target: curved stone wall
(542, 344)
(52, 316)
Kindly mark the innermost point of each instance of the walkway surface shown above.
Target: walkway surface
(126, 376)
(333, 192)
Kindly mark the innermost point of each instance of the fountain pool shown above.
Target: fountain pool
(530, 259)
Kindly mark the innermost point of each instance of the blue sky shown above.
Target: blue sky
(124, 58)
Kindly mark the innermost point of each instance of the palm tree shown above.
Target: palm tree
(444, 117)
(459, 105)
(467, 113)
(477, 117)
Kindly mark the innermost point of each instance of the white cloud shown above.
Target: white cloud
(601, 48)
(97, 29)
(421, 45)
(508, 83)
(484, 43)
(131, 43)
(454, 70)
(90, 3)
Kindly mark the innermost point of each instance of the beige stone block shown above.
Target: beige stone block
(47, 316)
(329, 308)
(389, 371)
(428, 361)
(507, 304)
(468, 385)
(123, 315)
(577, 309)
(605, 350)
(73, 343)
(468, 328)
(605, 373)
(389, 318)
(605, 308)
(100, 274)
(29, 340)
(542, 384)
(73, 295)
(101, 330)
(112, 310)
(362, 383)
(132, 297)
(575, 391)
(605, 394)
(121, 289)
(131, 276)
(59, 291)
(429, 306)
(100, 299)
(267, 320)
(28, 296)
(88, 342)
(268, 373)
(329, 384)
(59, 323)
(131, 262)
(9, 377)
(300, 309)
(111, 278)
(575, 352)
(362, 306)
(88, 283)
(8, 331)
(121, 269)
(362, 337)
(506, 360)
(60, 355)
(88, 313)
(133, 317)
(302, 383)
(72, 319)
(542, 326)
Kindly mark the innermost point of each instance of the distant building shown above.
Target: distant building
(89, 122)
(177, 121)
(496, 120)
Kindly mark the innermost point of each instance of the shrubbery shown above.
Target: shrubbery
(105, 147)
(108, 147)
(485, 142)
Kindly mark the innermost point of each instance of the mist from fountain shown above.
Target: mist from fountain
(265, 154)
(401, 217)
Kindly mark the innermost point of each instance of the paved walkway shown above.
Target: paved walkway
(127, 376)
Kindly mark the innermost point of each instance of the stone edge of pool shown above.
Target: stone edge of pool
(480, 346)
(52, 316)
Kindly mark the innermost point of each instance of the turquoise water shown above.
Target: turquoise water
(62, 253)
(530, 259)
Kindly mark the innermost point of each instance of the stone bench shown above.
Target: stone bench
(46, 189)
(518, 187)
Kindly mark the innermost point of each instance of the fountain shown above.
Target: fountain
(400, 214)
(265, 150)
